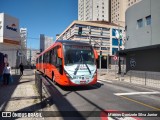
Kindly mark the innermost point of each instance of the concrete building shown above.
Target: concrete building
(100, 34)
(10, 38)
(32, 54)
(45, 42)
(93, 10)
(142, 33)
(23, 34)
(118, 9)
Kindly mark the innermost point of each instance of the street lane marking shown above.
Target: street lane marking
(140, 103)
(137, 93)
(100, 80)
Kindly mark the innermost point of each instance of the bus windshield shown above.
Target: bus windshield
(75, 54)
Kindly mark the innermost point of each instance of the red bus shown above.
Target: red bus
(69, 63)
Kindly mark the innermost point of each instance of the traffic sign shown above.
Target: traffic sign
(115, 58)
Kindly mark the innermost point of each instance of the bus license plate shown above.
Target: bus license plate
(83, 82)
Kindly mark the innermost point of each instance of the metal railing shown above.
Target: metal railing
(144, 78)
(151, 79)
(38, 83)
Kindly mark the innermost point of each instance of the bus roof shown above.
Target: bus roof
(71, 42)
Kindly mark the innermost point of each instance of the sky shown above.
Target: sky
(49, 17)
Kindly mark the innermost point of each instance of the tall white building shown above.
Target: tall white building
(93, 10)
(45, 42)
(32, 54)
(23, 34)
(118, 9)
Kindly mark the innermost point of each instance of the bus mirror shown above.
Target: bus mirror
(96, 54)
(60, 53)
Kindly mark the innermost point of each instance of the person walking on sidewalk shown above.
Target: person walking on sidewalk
(21, 67)
(6, 74)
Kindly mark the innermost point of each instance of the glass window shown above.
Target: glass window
(148, 20)
(115, 42)
(113, 32)
(140, 23)
(114, 51)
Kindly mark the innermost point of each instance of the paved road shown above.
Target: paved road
(105, 95)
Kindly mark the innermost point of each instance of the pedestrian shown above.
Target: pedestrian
(6, 74)
(21, 67)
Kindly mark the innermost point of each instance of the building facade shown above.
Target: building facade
(93, 10)
(142, 24)
(45, 42)
(10, 38)
(142, 33)
(32, 54)
(23, 34)
(118, 9)
(100, 34)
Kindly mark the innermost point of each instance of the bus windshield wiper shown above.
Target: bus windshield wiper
(75, 72)
(81, 60)
(88, 68)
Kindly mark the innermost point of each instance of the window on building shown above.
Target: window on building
(115, 42)
(148, 20)
(114, 51)
(140, 23)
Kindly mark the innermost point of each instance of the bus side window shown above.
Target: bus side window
(46, 58)
(50, 56)
(53, 57)
(43, 60)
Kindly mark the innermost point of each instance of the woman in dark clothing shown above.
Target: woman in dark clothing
(21, 68)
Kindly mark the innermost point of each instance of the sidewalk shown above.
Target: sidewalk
(21, 95)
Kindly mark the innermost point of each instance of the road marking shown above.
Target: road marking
(100, 80)
(140, 103)
(137, 93)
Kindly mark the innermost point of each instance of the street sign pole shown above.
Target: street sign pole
(107, 62)
(115, 58)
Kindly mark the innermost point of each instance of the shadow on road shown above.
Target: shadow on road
(81, 88)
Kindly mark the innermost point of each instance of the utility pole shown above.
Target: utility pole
(100, 54)
(119, 60)
(30, 56)
(89, 35)
(107, 62)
